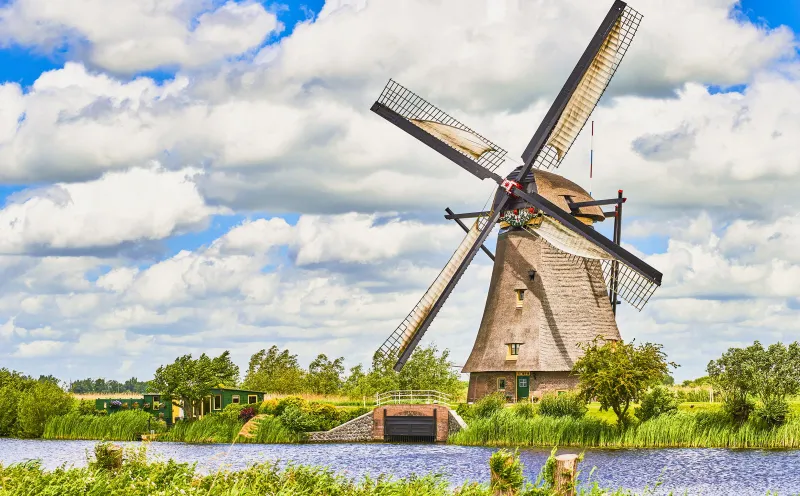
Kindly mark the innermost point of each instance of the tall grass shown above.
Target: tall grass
(122, 426)
(209, 429)
(676, 430)
(270, 430)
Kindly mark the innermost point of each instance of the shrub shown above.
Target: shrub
(232, 411)
(657, 401)
(86, 407)
(773, 412)
(43, 402)
(9, 400)
(245, 414)
(268, 407)
(297, 420)
(108, 456)
(562, 405)
(524, 409)
(288, 401)
(739, 409)
(488, 405)
(506, 473)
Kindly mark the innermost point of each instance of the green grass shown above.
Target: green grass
(138, 477)
(679, 430)
(123, 426)
(212, 428)
(270, 430)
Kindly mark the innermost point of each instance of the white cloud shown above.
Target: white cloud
(110, 35)
(120, 207)
(43, 348)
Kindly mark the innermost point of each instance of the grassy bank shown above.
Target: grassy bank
(682, 429)
(134, 476)
(123, 426)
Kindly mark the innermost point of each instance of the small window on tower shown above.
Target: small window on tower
(513, 351)
(520, 297)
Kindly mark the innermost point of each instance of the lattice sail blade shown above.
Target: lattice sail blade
(442, 132)
(591, 77)
(398, 343)
(632, 286)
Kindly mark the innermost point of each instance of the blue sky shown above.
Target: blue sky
(339, 282)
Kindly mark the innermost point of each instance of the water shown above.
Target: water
(695, 471)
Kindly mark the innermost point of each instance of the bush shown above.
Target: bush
(86, 407)
(562, 405)
(298, 420)
(9, 400)
(245, 414)
(525, 409)
(288, 401)
(232, 411)
(773, 412)
(488, 405)
(506, 472)
(657, 401)
(739, 409)
(108, 456)
(43, 402)
(268, 407)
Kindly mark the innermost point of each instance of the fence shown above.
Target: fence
(411, 396)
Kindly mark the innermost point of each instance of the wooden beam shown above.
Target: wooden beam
(456, 217)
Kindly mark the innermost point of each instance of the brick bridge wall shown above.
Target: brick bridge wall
(442, 418)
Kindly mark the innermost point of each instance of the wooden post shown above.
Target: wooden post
(566, 472)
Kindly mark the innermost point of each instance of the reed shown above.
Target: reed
(122, 426)
(209, 429)
(270, 430)
(711, 430)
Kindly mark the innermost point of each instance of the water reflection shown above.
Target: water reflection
(697, 471)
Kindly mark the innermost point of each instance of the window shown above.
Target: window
(217, 402)
(514, 348)
(235, 399)
(523, 382)
(156, 398)
(520, 297)
(560, 392)
(252, 398)
(501, 384)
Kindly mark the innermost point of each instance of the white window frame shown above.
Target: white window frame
(214, 406)
(235, 399)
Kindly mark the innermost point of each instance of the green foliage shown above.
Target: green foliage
(769, 374)
(488, 405)
(657, 401)
(699, 382)
(9, 401)
(563, 405)
(122, 426)
(524, 409)
(774, 412)
(693, 394)
(618, 374)
(108, 456)
(270, 430)
(136, 477)
(324, 375)
(213, 428)
(89, 385)
(714, 429)
(506, 473)
(86, 407)
(190, 380)
(39, 404)
(274, 371)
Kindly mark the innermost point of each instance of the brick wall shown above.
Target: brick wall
(484, 383)
(442, 418)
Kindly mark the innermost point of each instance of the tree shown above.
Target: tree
(425, 370)
(42, 402)
(618, 374)
(190, 380)
(769, 374)
(274, 371)
(325, 376)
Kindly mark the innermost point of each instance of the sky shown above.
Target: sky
(188, 176)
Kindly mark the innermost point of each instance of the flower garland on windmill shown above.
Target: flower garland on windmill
(519, 217)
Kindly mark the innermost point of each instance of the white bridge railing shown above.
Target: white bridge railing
(411, 396)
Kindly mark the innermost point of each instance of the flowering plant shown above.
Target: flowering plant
(135, 404)
(125, 406)
(161, 415)
(115, 404)
(518, 218)
(147, 406)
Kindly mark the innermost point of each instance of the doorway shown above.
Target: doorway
(523, 387)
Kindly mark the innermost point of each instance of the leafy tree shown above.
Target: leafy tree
(618, 374)
(274, 371)
(325, 376)
(658, 401)
(355, 383)
(769, 374)
(9, 402)
(426, 369)
(190, 380)
(42, 402)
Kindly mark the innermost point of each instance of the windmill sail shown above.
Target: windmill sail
(583, 89)
(402, 341)
(632, 286)
(434, 127)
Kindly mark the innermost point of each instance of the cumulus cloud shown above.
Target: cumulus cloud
(129, 36)
(121, 207)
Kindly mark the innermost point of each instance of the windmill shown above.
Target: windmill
(556, 282)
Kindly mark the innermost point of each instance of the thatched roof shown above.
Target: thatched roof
(564, 305)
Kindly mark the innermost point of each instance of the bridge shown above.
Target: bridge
(399, 416)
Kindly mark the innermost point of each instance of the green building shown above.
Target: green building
(152, 403)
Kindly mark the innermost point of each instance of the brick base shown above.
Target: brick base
(442, 418)
(485, 383)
